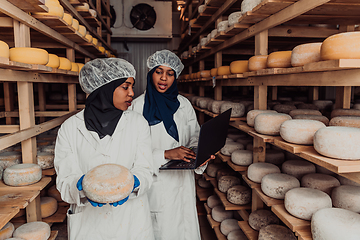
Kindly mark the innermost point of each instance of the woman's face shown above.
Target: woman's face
(123, 95)
(163, 77)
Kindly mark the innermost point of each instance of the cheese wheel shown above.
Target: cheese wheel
(219, 214)
(68, 19)
(346, 121)
(334, 224)
(215, 107)
(108, 183)
(88, 37)
(257, 62)
(84, 6)
(320, 181)
(239, 195)
(250, 116)
(323, 104)
(248, 5)
(225, 182)
(273, 231)
(82, 30)
(54, 61)
(213, 72)
(258, 170)
(304, 202)
(356, 106)
(213, 201)
(45, 160)
(223, 70)
(275, 185)
(346, 181)
(65, 64)
(202, 182)
(346, 197)
(230, 147)
(238, 109)
(95, 41)
(274, 156)
(22, 174)
(295, 112)
(7, 231)
(300, 131)
(80, 65)
(74, 67)
(338, 142)
(203, 41)
(49, 206)
(33, 231)
(269, 123)
(261, 218)
(244, 141)
(8, 159)
(212, 169)
(237, 235)
(49, 149)
(53, 10)
(281, 59)
(237, 67)
(203, 102)
(345, 112)
(298, 168)
(53, 192)
(341, 46)
(284, 108)
(4, 50)
(75, 24)
(320, 118)
(29, 55)
(242, 157)
(102, 49)
(305, 53)
(222, 26)
(234, 18)
(229, 225)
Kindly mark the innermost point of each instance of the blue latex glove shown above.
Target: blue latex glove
(80, 188)
(121, 202)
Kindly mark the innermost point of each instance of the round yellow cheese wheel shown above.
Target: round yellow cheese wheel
(102, 49)
(223, 70)
(68, 18)
(80, 65)
(186, 76)
(88, 37)
(198, 75)
(82, 30)
(7, 231)
(22, 174)
(213, 72)
(205, 74)
(49, 206)
(257, 62)
(305, 53)
(108, 183)
(54, 10)
(33, 230)
(65, 63)
(281, 59)
(240, 66)
(75, 24)
(4, 49)
(85, 6)
(29, 55)
(95, 41)
(74, 67)
(341, 46)
(54, 61)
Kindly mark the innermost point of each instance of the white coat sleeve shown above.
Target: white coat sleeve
(67, 167)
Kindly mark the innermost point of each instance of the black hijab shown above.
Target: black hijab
(101, 116)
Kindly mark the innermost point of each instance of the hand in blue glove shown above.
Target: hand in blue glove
(121, 202)
(80, 188)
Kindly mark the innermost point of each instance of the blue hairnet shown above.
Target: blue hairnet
(165, 58)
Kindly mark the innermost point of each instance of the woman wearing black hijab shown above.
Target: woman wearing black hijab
(105, 132)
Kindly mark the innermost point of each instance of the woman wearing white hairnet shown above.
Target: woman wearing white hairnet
(174, 130)
(104, 132)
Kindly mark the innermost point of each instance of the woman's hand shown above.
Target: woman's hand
(180, 153)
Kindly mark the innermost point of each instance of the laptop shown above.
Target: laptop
(212, 138)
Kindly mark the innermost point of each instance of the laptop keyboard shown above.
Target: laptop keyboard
(186, 164)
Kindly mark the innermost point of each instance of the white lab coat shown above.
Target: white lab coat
(78, 150)
(172, 196)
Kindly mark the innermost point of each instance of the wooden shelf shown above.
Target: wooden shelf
(268, 200)
(203, 193)
(53, 235)
(241, 125)
(304, 234)
(218, 233)
(250, 233)
(290, 147)
(19, 198)
(6, 214)
(208, 210)
(235, 167)
(229, 206)
(250, 183)
(291, 222)
(212, 222)
(35, 187)
(30, 5)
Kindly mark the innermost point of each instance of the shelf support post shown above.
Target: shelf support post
(343, 97)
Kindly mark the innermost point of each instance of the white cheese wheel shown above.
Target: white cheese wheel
(338, 142)
(274, 156)
(29, 55)
(33, 231)
(7, 231)
(346, 181)
(341, 46)
(237, 235)
(213, 33)
(242, 157)
(240, 66)
(75, 24)
(258, 170)
(74, 67)
(223, 70)
(284, 108)
(203, 102)
(68, 19)
(250, 116)
(323, 104)
(281, 59)
(53, 192)
(8, 159)
(345, 112)
(320, 181)
(82, 31)
(202, 182)
(300, 131)
(229, 225)
(272, 232)
(258, 62)
(248, 5)
(108, 183)
(275, 185)
(213, 72)
(215, 107)
(295, 112)
(346, 197)
(84, 6)
(335, 224)
(238, 109)
(346, 121)
(65, 64)
(213, 201)
(269, 123)
(212, 169)
(239, 195)
(226, 182)
(203, 41)
(222, 26)
(49, 206)
(261, 218)
(219, 214)
(45, 160)
(54, 61)
(234, 18)
(298, 168)
(22, 174)
(321, 118)
(305, 53)
(304, 202)
(230, 147)
(4, 50)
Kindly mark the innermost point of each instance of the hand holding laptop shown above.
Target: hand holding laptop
(180, 153)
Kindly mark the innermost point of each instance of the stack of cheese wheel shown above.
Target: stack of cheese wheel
(7, 231)
(229, 225)
(258, 170)
(226, 182)
(108, 183)
(33, 230)
(22, 174)
(4, 50)
(305, 53)
(257, 62)
(273, 231)
(320, 181)
(341, 46)
(346, 121)
(213, 201)
(65, 64)
(269, 123)
(338, 142)
(237, 67)
(298, 168)
(223, 70)
(54, 61)
(55, 9)
(8, 159)
(345, 112)
(238, 109)
(250, 116)
(281, 59)
(49, 206)
(261, 218)
(29, 55)
(68, 19)
(276, 185)
(346, 197)
(45, 160)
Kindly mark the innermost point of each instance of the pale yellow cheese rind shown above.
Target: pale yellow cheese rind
(305, 53)
(4, 49)
(54, 61)
(223, 70)
(33, 231)
(341, 46)
(281, 59)
(258, 62)
(29, 55)
(238, 67)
